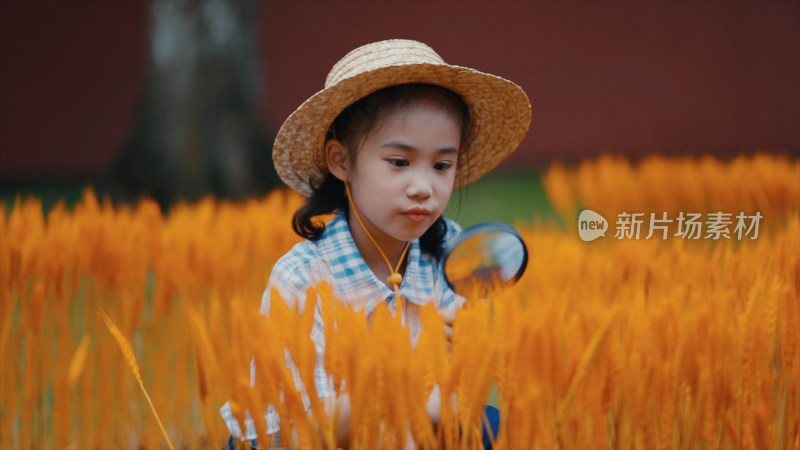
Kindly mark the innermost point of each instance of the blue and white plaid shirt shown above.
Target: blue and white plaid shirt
(335, 259)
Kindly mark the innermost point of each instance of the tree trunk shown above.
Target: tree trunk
(198, 127)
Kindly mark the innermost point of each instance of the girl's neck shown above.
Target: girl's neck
(391, 247)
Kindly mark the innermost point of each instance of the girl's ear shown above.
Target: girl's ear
(338, 160)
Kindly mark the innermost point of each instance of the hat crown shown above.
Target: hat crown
(500, 112)
(393, 52)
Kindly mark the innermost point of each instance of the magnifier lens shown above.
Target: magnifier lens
(485, 259)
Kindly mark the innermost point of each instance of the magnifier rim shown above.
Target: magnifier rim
(475, 230)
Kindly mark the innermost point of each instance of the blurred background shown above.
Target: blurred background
(179, 100)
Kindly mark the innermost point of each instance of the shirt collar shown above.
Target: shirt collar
(354, 280)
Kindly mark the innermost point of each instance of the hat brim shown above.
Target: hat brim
(499, 109)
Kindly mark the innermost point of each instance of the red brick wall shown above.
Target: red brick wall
(70, 73)
(624, 77)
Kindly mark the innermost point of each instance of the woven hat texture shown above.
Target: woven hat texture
(499, 109)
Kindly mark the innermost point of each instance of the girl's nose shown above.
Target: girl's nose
(419, 187)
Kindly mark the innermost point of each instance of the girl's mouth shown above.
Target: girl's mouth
(417, 215)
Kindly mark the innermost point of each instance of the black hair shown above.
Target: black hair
(352, 127)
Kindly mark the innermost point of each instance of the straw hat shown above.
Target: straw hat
(499, 109)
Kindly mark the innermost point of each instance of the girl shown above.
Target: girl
(395, 130)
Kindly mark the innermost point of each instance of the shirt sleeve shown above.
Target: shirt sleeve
(291, 277)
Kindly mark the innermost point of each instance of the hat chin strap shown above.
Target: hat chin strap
(395, 278)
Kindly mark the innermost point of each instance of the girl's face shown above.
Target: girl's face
(404, 171)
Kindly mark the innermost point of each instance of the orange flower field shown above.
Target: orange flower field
(615, 343)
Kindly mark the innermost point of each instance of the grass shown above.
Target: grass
(507, 197)
(49, 193)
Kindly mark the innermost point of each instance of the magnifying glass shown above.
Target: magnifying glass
(484, 259)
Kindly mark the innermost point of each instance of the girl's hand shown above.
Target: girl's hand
(410, 444)
(448, 315)
(339, 403)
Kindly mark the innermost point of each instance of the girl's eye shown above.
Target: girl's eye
(442, 166)
(398, 162)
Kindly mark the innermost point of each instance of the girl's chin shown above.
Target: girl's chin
(404, 236)
(409, 233)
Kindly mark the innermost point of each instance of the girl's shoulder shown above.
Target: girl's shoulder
(298, 261)
(293, 274)
(309, 261)
(453, 228)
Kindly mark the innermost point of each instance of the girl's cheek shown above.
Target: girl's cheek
(450, 178)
